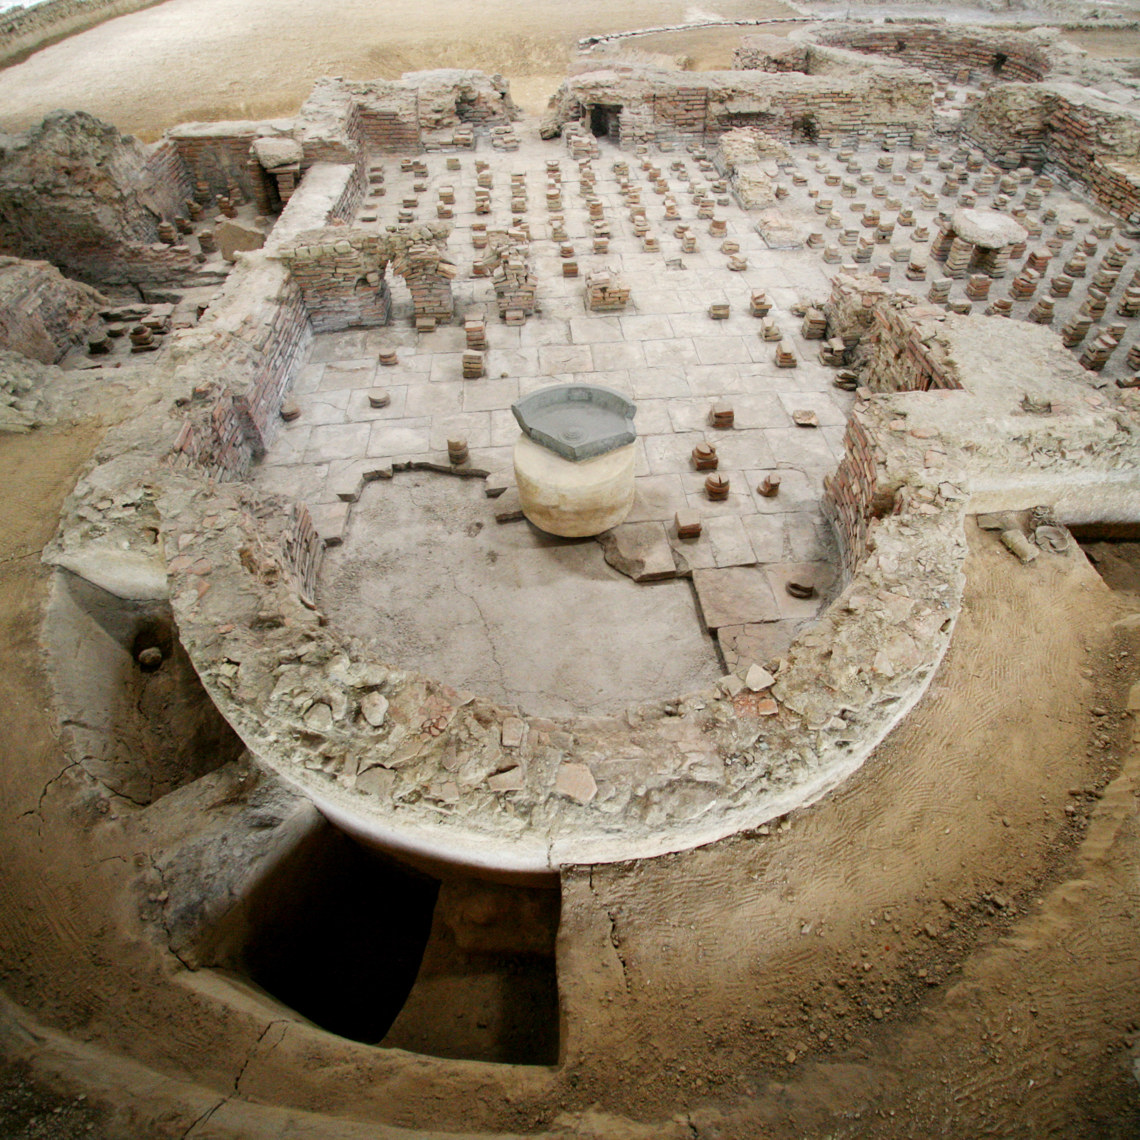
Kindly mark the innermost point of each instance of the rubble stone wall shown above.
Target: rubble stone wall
(892, 103)
(25, 30)
(1066, 131)
(42, 313)
(946, 51)
(75, 192)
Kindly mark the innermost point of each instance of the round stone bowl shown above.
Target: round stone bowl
(574, 458)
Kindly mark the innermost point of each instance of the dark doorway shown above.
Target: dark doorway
(604, 119)
(999, 62)
(805, 129)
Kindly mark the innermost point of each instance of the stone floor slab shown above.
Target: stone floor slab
(736, 595)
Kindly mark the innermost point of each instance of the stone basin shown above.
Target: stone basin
(577, 421)
(574, 458)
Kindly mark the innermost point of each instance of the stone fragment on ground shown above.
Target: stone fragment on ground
(374, 707)
(512, 732)
(639, 550)
(235, 237)
(758, 678)
(1017, 543)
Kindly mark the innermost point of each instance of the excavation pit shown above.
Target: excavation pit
(379, 952)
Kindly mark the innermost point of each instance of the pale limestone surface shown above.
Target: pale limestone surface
(573, 500)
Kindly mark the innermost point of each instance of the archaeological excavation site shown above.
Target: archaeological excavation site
(600, 602)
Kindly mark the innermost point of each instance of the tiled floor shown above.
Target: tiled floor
(664, 352)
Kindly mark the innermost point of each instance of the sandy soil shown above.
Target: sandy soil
(1107, 44)
(947, 943)
(908, 926)
(169, 64)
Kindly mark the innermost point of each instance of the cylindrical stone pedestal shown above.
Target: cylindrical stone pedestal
(573, 499)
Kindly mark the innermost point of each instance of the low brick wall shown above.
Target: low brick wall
(960, 55)
(340, 272)
(1065, 132)
(849, 498)
(906, 356)
(341, 277)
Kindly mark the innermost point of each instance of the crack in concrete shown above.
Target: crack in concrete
(487, 633)
(157, 869)
(253, 1050)
(205, 1117)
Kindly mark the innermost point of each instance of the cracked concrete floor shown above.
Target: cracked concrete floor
(507, 611)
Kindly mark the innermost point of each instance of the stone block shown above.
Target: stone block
(734, 595)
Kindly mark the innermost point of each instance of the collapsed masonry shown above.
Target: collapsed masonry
(75, 192)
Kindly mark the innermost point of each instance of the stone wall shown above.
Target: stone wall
(958, 54)
(42, 313)
(1064, 130)
(887, 102)
(25, 30)
(75, 192)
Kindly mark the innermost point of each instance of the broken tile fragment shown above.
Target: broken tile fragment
(576, 782)
(512, 732)
(641, 551)
(509, 780)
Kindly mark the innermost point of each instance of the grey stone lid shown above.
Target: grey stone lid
(577, 421)
(988, 228)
